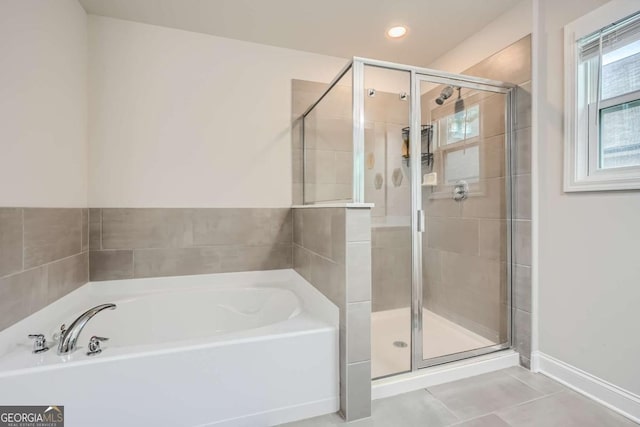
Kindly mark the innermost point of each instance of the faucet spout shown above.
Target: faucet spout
(69, 337)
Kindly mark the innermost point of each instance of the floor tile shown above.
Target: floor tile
(411, 409)
(491, 420)
(483, 394)
(543, 384)
(564, 409)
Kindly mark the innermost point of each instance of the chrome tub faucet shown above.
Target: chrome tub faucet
(69, 337)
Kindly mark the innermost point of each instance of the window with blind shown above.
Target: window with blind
(603, 112)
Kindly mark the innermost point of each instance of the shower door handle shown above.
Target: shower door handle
(421, 226)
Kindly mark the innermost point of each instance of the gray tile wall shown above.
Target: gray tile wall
(150, 242)
(391, 263)
(332, 250)
(473, 233)
(43, 256)
(465, 244)
(329, 144)
(513, 64)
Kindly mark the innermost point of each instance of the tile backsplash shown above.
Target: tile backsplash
(149, 242)
(46, 253)
(43, 256)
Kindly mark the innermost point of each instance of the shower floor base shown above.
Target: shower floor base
(391, 330)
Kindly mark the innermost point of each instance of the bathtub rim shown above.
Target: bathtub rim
(319, 315)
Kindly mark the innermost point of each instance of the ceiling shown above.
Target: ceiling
(342, 28)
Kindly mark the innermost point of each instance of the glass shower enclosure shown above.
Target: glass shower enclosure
(432, 151)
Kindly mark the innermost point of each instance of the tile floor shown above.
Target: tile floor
(511, 397)
(440, 337)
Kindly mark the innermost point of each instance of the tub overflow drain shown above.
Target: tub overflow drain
(400, 344)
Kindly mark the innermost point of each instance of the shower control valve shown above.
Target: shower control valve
(460, 191)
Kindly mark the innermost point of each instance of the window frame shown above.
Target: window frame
(463, 144)
(582, 150)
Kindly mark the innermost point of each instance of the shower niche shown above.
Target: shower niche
(431, 151)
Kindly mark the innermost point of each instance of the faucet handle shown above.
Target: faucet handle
(40, 343)
(94, 345)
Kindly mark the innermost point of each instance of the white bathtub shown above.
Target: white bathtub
(238, 349)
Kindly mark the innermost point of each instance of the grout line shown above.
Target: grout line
(459, 419)
(81, 231)
(46, 264)
(530, 386)
(100, 233)
(23, 248)
(133, 264)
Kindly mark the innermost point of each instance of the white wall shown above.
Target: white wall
(187, 119)
(43, 103)
(508, 28)
(588, 244)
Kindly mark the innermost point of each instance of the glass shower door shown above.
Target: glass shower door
(462, 249)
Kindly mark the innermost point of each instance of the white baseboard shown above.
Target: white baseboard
(613, 397)
(429, 377)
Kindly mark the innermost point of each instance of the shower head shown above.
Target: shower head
(444, 95)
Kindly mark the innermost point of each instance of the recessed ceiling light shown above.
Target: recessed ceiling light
(396, 32)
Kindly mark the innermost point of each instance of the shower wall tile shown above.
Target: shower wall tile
(492, 157)
(51, 234)
(10, 240)
(43, 256)
(439, 207)
(492, 118)
(522, 242)
(391, 267)
(522, 196)
(459, 235)
(522, 287)
(522, 332)
(304, 93)
(521, 157)
(489, 203)
(493, 239)
(446, 291)
(326, 162)
(130, 242)
(523, 105)
(297, 167)
(512, 64)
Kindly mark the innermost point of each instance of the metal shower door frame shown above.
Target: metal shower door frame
(417, 75)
